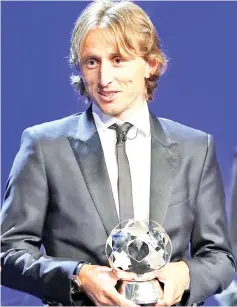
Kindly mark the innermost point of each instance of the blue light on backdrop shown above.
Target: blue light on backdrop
(199, 88)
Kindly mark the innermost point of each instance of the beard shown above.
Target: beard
(116, 108)
(111, 110)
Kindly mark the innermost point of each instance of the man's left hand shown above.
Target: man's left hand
(175, 277)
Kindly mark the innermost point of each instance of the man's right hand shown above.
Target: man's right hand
(99, 283)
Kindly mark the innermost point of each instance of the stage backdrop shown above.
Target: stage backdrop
(198, 89)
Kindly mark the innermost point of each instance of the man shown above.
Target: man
(64, 190)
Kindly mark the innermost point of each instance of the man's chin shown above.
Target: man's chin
(109, 109)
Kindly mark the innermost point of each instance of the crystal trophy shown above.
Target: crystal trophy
(139, 247)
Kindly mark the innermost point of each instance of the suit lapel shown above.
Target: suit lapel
(88, 151)
(89, 154)
(164, 153)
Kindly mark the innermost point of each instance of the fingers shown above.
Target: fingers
(162, 273)
(120, 300)
(156, 274)
(162, 302)
(169, 296)
(108, 298)
(148, 276)
(99, 284)
(122, 286)
(123, 275)
(175, 277)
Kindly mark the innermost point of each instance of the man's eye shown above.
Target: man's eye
(118, 60)
(91, 63)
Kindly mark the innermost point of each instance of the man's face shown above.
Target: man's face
(114, 82)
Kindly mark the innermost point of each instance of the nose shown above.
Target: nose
(105, 74)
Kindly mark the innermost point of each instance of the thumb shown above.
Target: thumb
(161, 274)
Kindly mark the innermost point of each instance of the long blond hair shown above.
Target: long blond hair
(127, 25)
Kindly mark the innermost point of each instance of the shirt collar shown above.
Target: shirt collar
(140, 119)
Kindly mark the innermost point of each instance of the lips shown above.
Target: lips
(108, 95)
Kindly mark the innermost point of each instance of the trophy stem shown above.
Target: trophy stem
(142, 292)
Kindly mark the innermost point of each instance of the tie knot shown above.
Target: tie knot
(121, 131)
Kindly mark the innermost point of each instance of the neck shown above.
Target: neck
(130, 112)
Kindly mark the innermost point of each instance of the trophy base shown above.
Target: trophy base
(142, 292)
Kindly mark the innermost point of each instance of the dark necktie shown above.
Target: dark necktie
(124, 175)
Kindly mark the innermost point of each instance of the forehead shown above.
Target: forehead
(101, 41)
(95, 41)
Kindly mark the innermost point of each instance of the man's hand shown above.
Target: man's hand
(175, 277)
(99, 282)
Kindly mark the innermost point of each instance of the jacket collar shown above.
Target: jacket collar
(86, 128)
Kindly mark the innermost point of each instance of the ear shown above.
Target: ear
(151, 66)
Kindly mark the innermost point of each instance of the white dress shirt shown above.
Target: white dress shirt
(138, 150)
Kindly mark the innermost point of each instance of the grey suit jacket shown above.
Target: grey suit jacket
(233, 215)
(59, 195)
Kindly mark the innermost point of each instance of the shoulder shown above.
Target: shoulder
(56, 129)
(191, 141)
(182, 133)
(194, 147)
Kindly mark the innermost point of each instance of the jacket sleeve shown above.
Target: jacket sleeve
(212, 265)
(24, 266)
(233, 211)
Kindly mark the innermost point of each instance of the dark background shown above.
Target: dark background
(199, 88)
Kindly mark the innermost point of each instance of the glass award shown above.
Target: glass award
(139, 247)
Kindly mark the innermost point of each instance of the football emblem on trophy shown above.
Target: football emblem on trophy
(138, 246)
